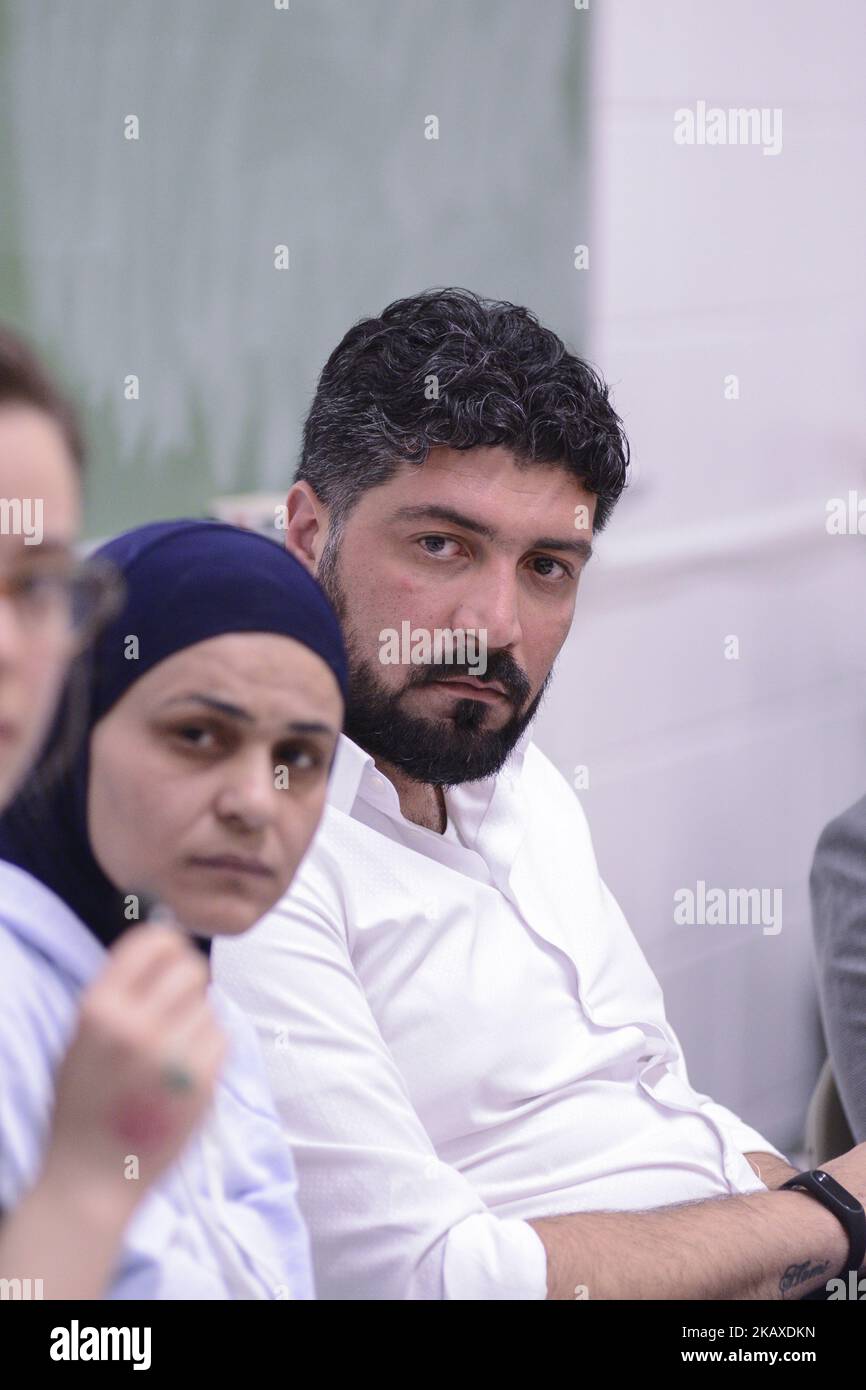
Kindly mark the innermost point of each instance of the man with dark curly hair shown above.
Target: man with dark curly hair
(469, 1051)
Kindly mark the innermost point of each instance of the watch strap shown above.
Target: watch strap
(843, 1205)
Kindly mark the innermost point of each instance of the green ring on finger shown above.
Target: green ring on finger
(177, 1078)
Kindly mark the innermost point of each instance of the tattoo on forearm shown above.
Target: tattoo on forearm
(795, 1275)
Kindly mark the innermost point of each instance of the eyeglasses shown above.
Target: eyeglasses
(70, 602)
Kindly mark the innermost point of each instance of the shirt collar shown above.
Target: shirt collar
(352, 767)
(350, 764)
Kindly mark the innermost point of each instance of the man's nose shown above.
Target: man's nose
(491, 604)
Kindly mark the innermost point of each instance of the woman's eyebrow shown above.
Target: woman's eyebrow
(301, 726)
(221, 706)
(295, 726)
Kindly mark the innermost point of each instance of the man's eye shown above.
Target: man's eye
(550, 568)
(435, 545)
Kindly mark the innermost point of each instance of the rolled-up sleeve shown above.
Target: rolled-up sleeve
(388, 1219)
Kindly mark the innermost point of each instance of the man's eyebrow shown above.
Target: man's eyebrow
(295, 726)
(573, 545)
(444, 514)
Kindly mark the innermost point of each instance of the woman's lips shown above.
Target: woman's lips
(232, 864)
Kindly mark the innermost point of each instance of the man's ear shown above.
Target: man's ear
(306, 525)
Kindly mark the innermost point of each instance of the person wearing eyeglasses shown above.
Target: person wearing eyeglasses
(61, 1236)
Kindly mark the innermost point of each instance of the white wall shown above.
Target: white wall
(706, 261)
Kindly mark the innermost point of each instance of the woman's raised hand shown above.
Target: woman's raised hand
(139, 1074)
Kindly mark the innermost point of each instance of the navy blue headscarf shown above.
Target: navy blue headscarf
(185, 581)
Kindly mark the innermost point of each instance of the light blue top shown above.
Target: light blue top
(224, 1221)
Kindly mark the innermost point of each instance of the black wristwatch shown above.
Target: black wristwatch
(843, 1205)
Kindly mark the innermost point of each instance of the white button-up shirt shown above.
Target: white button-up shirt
(463, 1033)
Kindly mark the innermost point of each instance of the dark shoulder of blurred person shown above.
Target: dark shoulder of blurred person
(837, 885)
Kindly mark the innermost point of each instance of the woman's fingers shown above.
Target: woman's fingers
(196, 1043)
(178, 984)
(141, 1069)
(140, 955)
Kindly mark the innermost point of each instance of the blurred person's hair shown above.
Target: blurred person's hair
(501, 378)
(25, 381)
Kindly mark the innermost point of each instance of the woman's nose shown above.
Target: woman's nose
(247, 795)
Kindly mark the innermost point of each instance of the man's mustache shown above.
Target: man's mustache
(501, 667)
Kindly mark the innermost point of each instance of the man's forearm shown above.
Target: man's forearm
(771, 1170)
(767, 1245)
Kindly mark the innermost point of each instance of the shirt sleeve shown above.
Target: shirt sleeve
(387, 1218)
(27, 1063)
(742, 1136)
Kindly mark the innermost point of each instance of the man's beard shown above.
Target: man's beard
(442, 751)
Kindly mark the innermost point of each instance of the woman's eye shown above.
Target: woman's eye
(550, 568)
(196, 736)
(298, 758)
(436, 545)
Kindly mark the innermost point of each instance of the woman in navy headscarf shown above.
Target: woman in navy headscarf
(208, 715)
